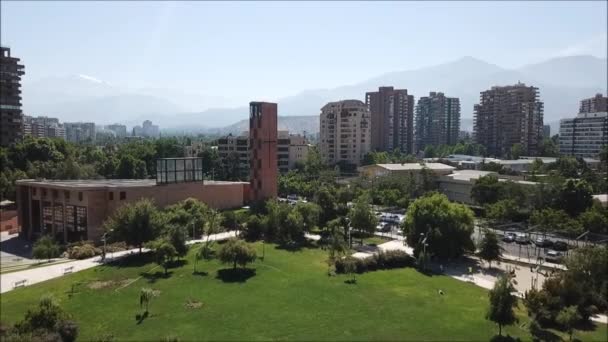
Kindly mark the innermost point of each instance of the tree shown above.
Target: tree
(48, 319)
(503, 210)
(164, 252)
(350, 267)
(489, 248)
(362, 217)
(575, 196)
(176, 236)
(130, 167)
(502, 302)
(548, 148)
(45, 248)
(595, 220)
(135, 223)
(567, 318)
(448, 226)
(310, 212)
(326, 200)
(549, 220)
(336, 248)
(516, 151)
(145, 297)
(236, 252)
(486, 190)
(190, 214)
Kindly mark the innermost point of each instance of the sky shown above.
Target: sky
(244, 50)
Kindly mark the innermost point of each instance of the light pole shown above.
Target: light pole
(424, 244)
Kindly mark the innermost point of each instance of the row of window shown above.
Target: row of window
(122, 195)
(55, 193)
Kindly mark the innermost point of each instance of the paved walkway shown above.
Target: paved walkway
(43, 273)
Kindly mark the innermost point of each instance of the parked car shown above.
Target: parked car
(560, 246)
(521, 238)
(509, 237)
(543, 242)
(554, 256)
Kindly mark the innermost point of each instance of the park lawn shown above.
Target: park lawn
(290, 297)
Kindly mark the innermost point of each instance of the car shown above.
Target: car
(554, 256)
(560, 246)
(543, 242)
(508, 237)
(521, 238)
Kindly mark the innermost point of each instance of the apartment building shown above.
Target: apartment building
(291, 149)
(120, 131)
(437, 120)
(78, 132)
(345, 132)
(587, 133)
(392, 119)
(508, 115)
(147, 129)
(42, 126)
(263, 169)
(11, 117)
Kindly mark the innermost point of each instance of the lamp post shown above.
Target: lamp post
(424, 244)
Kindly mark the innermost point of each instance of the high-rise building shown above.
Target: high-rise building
(345, 133)
(11, 117)
(78, 132)
(587, 133)
(392, 119)
(596, 104)
(437, 120)
(119, 130)
(509, 115)
(43, 126)
(546, 131)
(150, 130)
(263, 142)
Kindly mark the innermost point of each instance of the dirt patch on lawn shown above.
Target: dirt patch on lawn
(98, 285)
(193, 304)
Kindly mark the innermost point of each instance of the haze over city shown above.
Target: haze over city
(125, 61)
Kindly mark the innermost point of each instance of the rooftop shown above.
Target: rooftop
(91, 184)
(414, 166)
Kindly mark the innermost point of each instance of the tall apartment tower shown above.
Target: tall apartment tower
(11, 117)
(437, 120)
(392, 119)
(587, 133)
(345, 132)
(263, 143)
(509, 115)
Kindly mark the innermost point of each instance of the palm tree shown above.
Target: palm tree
(145, 295)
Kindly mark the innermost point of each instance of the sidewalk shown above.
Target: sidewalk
(40, 274)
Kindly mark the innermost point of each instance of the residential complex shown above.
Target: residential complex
(78, 132)
(509, 115)
(74, 210)
(392, 119)
(120, 131)
(587, 133)
(147, 129)
(11, 117)
(546, 131)
(263, 159)
(345, 132)
(437, 120)
(43, 126)
(291, 149)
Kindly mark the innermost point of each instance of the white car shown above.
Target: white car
(554, 256)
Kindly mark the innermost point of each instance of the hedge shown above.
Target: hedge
(379, 261)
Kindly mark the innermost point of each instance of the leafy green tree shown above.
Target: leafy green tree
(311, 214)
(211, 161)
(516, 151)
(47, 320)
(502, 302)
(327, 201)
(176, 236)
(448, 226)
(548, 148)
(190, 214)
(130, 167)
(489, 248)
(595, 220)
(568, 318)
(45, 248)
(549, 220)
(486, 190)
(575, 196)
(163, 251)
(235, 252)
(362, 217)
(135, 223)
(503, 211)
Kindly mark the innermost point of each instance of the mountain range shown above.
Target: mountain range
(562, 83)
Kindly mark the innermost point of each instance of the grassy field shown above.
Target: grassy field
(287, 296)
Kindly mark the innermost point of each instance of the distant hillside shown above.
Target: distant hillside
(305, 124)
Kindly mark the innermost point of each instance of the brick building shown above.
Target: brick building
(263, 157)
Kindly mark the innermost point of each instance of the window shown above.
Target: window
(66, 195)
(123, 195)
(34, 191)
(43, 192)
(55, 193)
(111, 196)
(80, 196)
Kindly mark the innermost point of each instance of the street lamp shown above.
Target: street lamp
(424, 244)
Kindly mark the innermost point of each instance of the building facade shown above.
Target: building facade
(583, 136)
(11, 117)
(74, 210)
(263, 159)
(596, 104)
(119, 130)
(78, 132)
(392, 119)
(546, 131)
(437, 121)
(42, 126)
(345, 132)
(509, 115)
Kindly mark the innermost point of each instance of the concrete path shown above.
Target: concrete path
(40, 274)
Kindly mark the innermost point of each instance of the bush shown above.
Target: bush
(46, 248)
(379, 261)
(116, 247)
(83, 252)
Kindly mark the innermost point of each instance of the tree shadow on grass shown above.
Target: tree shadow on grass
(178, 263)
(546, 335)
(588, 325)
(296, 246)
(504, 338)
(133, 260)
(235, 275)
(200, 273)
(153, 277)
(140, 317)
(350, 281)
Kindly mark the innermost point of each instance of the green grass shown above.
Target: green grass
(290, 297)
(375, 240)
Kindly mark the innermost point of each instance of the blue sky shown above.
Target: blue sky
(273, 49)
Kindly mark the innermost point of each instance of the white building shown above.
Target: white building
(584, 135)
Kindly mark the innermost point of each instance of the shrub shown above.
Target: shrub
(116, 247)
(83, 252)
(380, 261)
